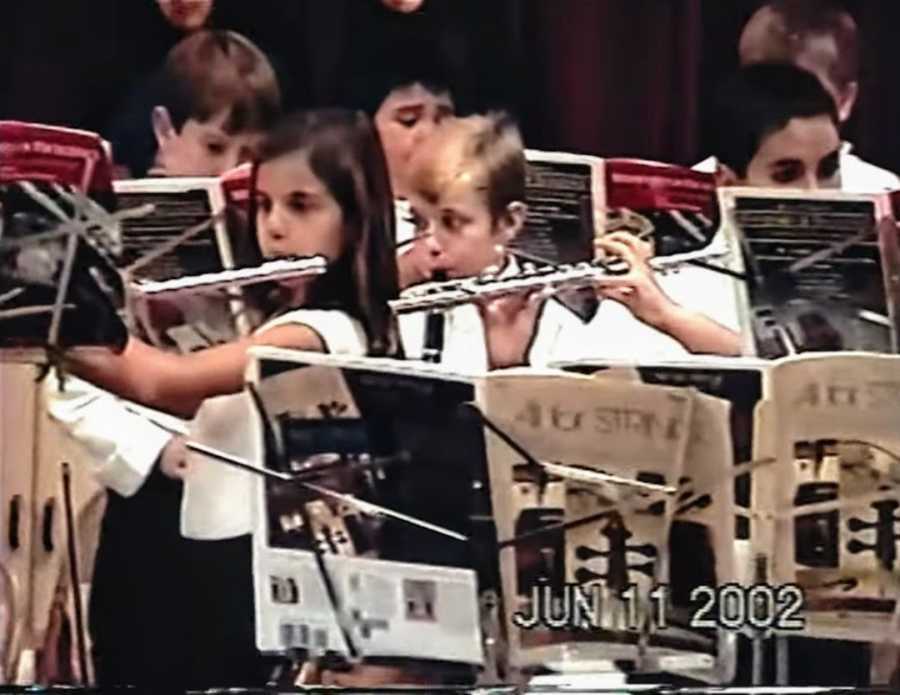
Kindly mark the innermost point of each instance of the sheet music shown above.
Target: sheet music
(674, 207)
(831, 425)
(632, 430)
(707, 498)
(187, 322)
(564, 194)
(406, 586)
(738, 380)
(818, 263)
(180, 203)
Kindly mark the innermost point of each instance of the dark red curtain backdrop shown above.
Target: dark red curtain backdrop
(609, 77)
(614, 77)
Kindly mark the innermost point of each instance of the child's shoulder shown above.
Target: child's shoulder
(340, 332)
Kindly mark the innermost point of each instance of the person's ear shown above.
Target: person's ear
(163, 129)
(512, 220)
(726, 176)
(846, 101)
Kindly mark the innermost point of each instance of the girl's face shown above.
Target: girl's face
(296, 213)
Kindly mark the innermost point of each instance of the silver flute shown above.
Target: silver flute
(446, 295)
(281, 269)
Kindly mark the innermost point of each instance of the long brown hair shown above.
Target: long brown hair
(344, 152)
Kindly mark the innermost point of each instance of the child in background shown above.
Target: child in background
(408, 95)
(467, 192)
(823, 38)
(776, 127)
(216, 94)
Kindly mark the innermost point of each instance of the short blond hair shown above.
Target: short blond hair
(483, 151)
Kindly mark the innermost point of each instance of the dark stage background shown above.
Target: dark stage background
(608, 77)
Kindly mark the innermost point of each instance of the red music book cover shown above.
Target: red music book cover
(673, 205)
(37, 152)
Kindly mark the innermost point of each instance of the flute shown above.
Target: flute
(446, 295)
(281, 269)
(434, 330)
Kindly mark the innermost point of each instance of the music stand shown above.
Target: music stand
(362, 436)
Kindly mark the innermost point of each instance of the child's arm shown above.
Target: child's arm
(180, 383)
(638, 291)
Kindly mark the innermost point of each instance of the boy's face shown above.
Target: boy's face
(804, 154)
(296, 213)
(200, 148)
(458, 232)
(405, 119)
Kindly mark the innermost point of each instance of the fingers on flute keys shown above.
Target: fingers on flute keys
(626, 246)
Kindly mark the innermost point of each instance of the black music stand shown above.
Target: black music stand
(59, 286)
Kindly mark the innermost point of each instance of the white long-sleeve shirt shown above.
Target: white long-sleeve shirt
(121, 445)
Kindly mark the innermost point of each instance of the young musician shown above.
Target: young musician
(318, 193)
(467, 192)
(776, 127)
(321, 189)
(200, 115)
(220, 91)
(823, 39)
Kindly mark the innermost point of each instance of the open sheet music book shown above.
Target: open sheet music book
(53, 154)
(588, 594)
(821, 270)
(829, 422)
(738, 380)
(181, 204)
(394, 464)
(377, 407)
(574, 199)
